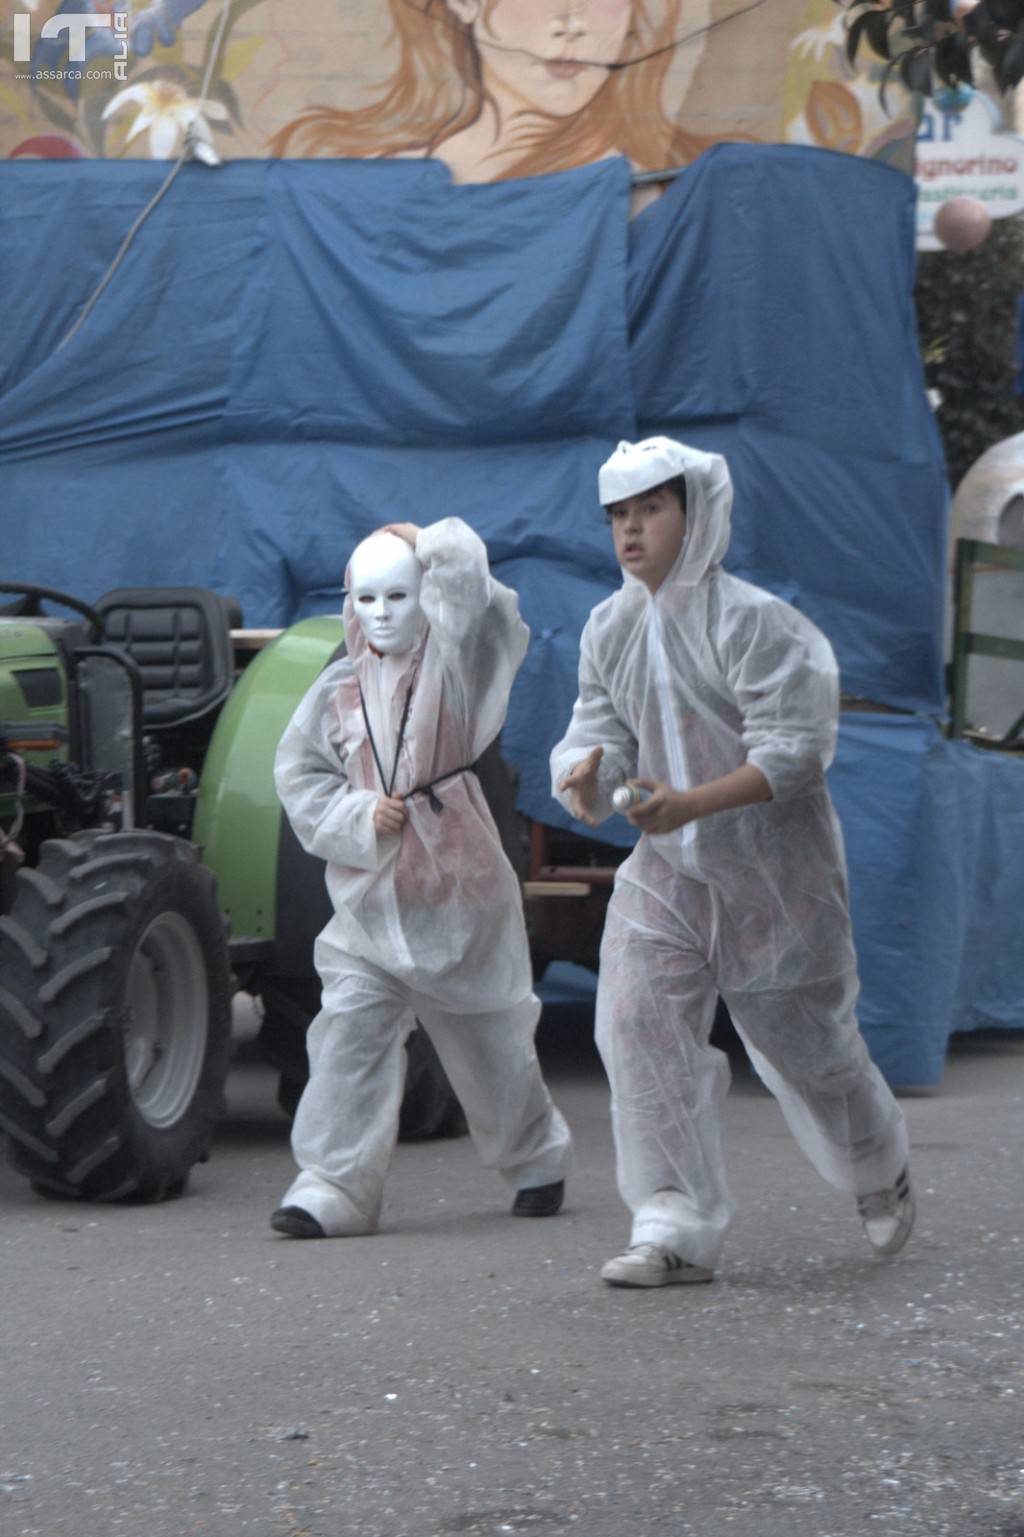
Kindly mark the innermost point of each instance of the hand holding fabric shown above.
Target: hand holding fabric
(389, 815)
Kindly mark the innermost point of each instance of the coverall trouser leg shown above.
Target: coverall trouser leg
(656, 1002)
(492, 1065)
(346, 1125)
(807, 1049)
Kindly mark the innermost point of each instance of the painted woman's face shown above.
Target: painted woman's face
(548, 56)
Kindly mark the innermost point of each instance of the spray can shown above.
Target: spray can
(628, 796)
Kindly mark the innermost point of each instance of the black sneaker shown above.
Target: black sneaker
(293, 1222)
(539, 1200)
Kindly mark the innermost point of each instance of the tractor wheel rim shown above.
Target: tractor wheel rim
(166, 1020)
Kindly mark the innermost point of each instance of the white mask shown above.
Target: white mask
(384, 586)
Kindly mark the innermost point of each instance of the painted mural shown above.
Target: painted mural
(493, 88)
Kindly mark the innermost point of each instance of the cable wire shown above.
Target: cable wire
(186, 153)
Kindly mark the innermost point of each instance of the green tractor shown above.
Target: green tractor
(147, 875)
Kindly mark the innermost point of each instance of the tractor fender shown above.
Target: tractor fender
(270, 889)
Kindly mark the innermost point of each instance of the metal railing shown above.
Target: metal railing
(967, 642)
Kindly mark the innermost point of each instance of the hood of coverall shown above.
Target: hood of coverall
(636, 467)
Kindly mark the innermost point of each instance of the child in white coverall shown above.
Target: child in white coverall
(721, 702)
(374, 772)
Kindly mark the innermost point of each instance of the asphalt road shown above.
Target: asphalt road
(181, 1371)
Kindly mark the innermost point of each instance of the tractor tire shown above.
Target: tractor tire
(289, 1006)
(429, 1106)
(115, 1017)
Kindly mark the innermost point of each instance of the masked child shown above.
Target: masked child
(375, 775)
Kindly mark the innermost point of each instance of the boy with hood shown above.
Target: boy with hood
(721, 702)
(375, 775)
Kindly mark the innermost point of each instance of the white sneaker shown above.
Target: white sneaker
(648, 1264)
(888, 1215)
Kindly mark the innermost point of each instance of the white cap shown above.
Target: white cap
(636, 467)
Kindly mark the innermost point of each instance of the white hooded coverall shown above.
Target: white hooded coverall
(428, 923)
(684, 686)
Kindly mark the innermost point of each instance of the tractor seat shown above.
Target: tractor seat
(180, 640)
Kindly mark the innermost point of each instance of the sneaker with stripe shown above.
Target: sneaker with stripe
(648, 1264)
(888, 1215)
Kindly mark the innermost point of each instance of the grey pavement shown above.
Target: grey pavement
(181, 1371)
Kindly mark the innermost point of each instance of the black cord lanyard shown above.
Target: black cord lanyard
(388, 784)
(433, 801)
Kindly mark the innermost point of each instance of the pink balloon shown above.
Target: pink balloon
(962, 223)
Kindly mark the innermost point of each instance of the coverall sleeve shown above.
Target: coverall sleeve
(784, 677)
(594, 723)
(331, 818)
(475, 622)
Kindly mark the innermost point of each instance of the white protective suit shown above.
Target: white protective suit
(685, 686)
(428, 923)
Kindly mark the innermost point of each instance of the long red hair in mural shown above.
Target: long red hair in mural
(461, 59)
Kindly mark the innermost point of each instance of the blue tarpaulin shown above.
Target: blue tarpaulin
(934, 832)
(295, 352)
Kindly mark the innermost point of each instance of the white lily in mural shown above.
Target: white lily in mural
(817, 41)
(168, 112)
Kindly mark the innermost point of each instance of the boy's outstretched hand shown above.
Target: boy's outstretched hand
(389, 815)
(581, 783)
(664, 811)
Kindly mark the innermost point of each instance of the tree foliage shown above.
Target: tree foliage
(966, 303)
(967, 321)
(925, 46)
